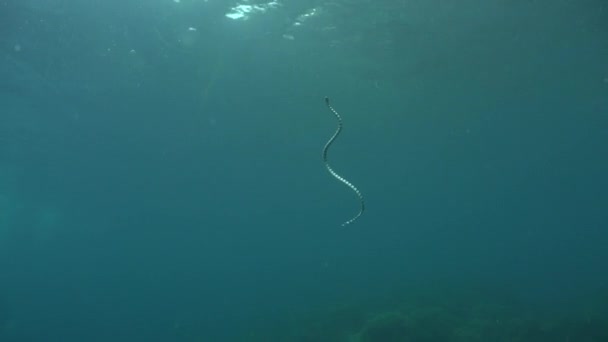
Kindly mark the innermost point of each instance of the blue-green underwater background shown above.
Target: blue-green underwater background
(161, 175)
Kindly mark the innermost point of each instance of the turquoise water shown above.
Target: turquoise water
(161, 171)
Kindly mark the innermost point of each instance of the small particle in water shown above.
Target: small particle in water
(17, 48)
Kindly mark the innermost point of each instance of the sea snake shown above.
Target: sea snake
(333, 173)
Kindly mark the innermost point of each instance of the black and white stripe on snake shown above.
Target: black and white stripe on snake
(333, 173)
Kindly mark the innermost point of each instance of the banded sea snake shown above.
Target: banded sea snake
(336, 175)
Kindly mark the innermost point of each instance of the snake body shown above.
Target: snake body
(336, 175)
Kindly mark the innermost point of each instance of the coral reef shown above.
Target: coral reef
(448, 319)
